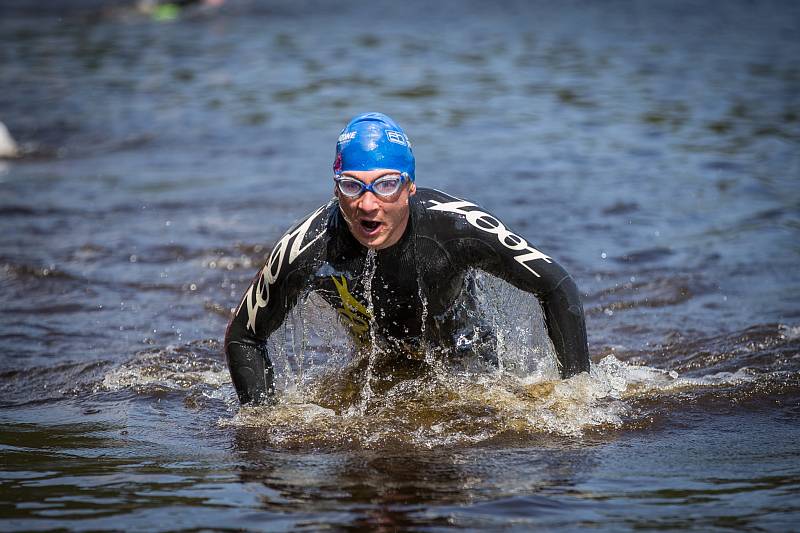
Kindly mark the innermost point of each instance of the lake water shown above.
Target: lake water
(652, 148)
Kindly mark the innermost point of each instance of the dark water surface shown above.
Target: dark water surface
(652, 148)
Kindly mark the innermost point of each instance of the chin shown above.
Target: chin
(374, 244)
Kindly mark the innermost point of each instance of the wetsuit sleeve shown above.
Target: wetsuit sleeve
(484, 242)
(264, 307)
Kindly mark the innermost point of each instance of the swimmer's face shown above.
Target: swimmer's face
(375, 221)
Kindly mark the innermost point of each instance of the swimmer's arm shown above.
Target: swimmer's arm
(566, 327)
(561, 303)
(531, 271)
(245, 341)
(250, 368)
(265, 305)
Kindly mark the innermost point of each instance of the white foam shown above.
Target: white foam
(789, 332)
(164, 370)
(624, 379)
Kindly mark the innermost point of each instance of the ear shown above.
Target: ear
(412, 190)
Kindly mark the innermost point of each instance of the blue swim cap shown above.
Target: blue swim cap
(372, 141)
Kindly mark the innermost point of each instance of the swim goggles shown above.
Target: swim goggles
(384, 186)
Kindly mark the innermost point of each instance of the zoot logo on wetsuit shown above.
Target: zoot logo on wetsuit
(488, 223)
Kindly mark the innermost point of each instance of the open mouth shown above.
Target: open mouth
(370, 225)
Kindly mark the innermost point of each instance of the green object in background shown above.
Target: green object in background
(166, 12)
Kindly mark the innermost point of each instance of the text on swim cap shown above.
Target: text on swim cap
(346, 137)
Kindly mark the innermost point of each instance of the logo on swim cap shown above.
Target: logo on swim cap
(372, 141)
(397, 137)
(346, 137)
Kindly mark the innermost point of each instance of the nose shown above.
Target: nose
(368, 202)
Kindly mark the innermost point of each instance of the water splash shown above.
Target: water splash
(429, 358)
(466, 408)
(194, 369)
(460, 400)
(370, 265)
(455, 405)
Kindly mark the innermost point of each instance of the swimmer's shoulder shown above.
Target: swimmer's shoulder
(433, 203)
(442, 212)
(447, 220)
(428, 196)
(307, 237)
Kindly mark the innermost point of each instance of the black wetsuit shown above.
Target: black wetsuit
(419, 286)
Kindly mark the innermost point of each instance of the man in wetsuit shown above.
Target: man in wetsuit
(395, 262)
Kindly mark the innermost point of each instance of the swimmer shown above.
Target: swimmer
(395, 262)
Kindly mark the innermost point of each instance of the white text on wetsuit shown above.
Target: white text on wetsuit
(258, 295)
(488, 223)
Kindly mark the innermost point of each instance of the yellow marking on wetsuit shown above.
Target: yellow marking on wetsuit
(352, 312)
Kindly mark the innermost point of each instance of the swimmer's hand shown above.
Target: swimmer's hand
(251, 373)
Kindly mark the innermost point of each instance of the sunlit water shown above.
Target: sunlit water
(651, 148)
